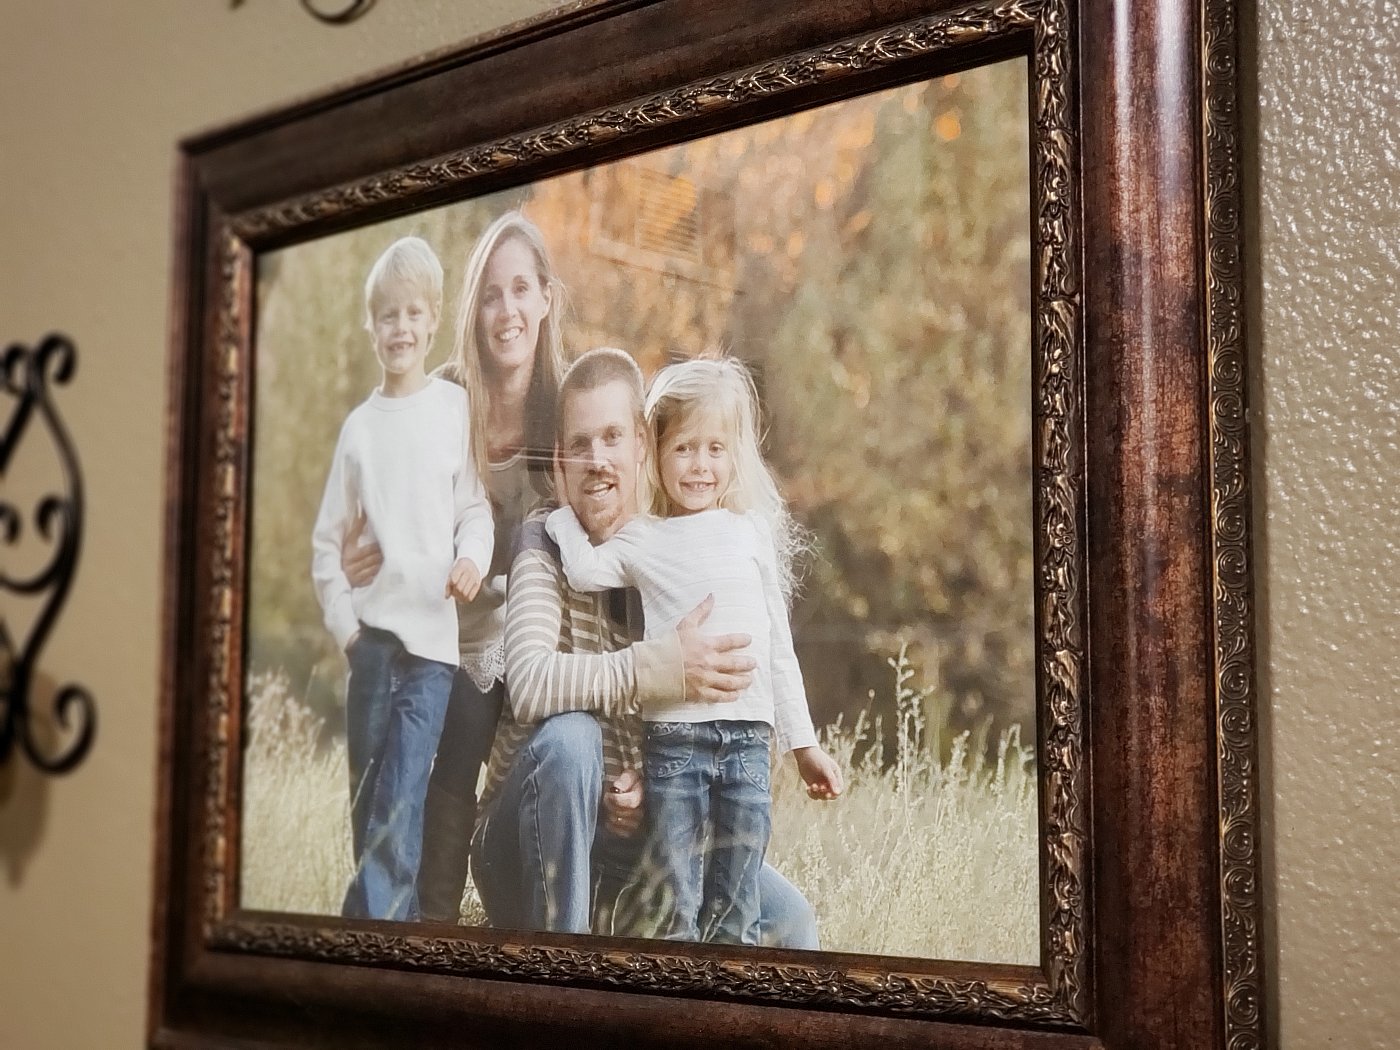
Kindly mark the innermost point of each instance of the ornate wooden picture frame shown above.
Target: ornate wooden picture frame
(1145, 696)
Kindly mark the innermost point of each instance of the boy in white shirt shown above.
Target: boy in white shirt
(404, 462)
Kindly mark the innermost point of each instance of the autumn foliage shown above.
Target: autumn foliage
(869, 259)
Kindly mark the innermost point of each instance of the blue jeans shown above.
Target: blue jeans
(707, 793)
(531, 878)
(532, 856)
(450, 813)
(394, 707)
(625, 899)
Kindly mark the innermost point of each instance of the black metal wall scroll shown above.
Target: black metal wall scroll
(26, 376)
(347, 12)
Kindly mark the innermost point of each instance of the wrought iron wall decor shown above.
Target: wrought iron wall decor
(26, 376)
(348, 11)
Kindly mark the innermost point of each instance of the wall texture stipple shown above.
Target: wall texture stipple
(92, 99)
(1328, 458)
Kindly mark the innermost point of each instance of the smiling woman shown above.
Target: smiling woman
(513, 303)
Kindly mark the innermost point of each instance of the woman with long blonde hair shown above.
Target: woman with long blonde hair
(508, 351)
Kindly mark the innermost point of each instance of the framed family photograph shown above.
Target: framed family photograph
(701, 525)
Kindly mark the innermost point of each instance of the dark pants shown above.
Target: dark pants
(394, 708)
(467, 732)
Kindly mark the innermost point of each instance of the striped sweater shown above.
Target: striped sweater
(571, 651)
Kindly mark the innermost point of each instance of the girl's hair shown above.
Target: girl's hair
(407, 263)
(465, 365)
(723, 386)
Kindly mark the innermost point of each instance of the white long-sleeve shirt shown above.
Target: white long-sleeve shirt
(674, 563)
(407, 463)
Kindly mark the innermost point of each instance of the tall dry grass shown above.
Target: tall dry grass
(922, 855)
(296, 848)
(295, 852)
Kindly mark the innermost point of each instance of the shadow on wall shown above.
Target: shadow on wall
(25, 789)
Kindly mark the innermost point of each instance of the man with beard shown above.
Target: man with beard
(568, 745)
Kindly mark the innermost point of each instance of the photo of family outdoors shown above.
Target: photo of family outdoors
(647, 551)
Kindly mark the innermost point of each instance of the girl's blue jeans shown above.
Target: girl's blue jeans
(540, 863)
(707, 791)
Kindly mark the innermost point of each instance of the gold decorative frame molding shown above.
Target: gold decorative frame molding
(1232, 598)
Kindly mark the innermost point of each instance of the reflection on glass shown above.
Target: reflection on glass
(869, 263)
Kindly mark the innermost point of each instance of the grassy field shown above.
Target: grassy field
(924, 855)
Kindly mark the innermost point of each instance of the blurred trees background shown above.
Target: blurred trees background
(869, 259)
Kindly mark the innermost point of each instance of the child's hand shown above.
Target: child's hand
(464, 581)
(819, 772)
(361, 564)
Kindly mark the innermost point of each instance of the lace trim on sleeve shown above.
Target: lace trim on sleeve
(487, 667)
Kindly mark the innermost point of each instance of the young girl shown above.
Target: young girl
(718, 528)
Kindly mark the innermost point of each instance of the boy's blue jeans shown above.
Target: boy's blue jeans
(707, 791)
(394, 709)
(538, 860)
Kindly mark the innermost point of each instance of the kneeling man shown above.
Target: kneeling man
(567, 749)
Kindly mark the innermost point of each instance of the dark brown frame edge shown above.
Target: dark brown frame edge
(1172, 973)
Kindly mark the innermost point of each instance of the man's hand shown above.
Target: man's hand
(622, 804)
(360, 564)
(464, 581)
(353, 639)
(819, 772)
(714, 672)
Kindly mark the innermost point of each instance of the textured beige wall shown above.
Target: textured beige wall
(92, 97)
(1329, 382)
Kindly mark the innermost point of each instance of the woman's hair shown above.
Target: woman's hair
(465, 366)
(724, 387)
(407, 263)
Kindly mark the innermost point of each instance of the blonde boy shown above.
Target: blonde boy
(404, 463)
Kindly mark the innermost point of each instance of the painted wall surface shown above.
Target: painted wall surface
(1328, 448)
(92, 99)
